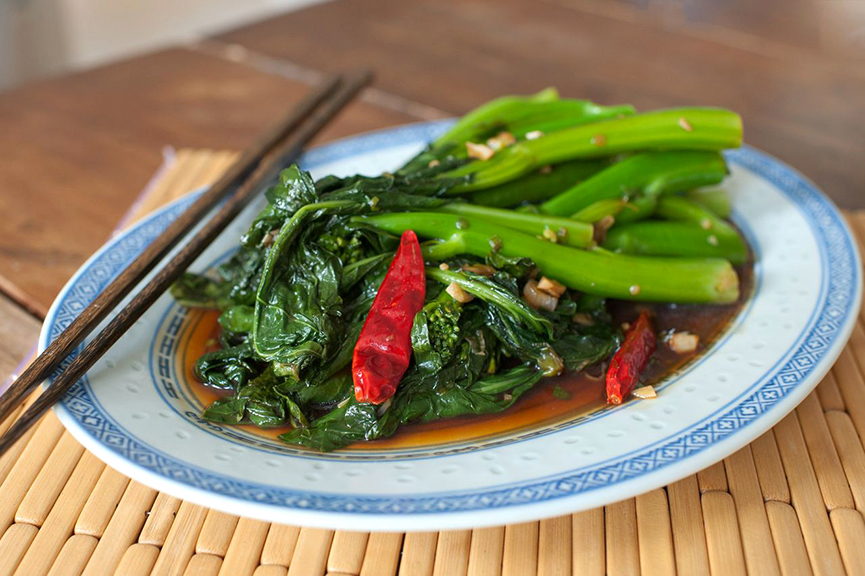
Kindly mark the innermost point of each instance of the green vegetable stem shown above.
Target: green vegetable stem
(637, 208)
(597, 211)
(714, 199)
(656, 238)
(539, 185)
(565, 230)
(649, 173)
(695, 232)
(519, 116)
(522, 114)
(600, 272)
(680, 128)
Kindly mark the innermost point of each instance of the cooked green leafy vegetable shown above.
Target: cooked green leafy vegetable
(606, 207)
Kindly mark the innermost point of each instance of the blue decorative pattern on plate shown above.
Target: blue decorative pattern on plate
(133, 412)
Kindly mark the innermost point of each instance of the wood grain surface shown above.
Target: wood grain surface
(78, 150)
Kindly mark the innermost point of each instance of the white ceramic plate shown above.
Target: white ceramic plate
(137, 410)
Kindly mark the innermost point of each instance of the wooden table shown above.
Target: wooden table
(78, 149)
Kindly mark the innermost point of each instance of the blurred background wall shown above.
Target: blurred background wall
(39, 38)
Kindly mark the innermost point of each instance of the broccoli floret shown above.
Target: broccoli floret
(435, 335)
(443, 322)
(347, 245)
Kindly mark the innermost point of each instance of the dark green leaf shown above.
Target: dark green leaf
(417, 399)
(298, 304)
(237, 319)
(227, 368)
(242, 273)
(519, 268)
(326, 393)
(196, 291)
(591, 344)
(353, 273)
(344, 425)
(226, 410)
(294, 190)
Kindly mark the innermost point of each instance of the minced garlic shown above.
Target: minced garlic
(683, 342)
(458, 294)
(645, 392)
(479, 151)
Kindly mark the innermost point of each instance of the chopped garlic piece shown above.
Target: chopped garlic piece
(501, 140)
(458, 294)
(480, 269)
(534, 135)
(444, 266)
(645, 392)
(270, 238)
(479, 151)
(583, 319)
(551, 287)
(683, 342)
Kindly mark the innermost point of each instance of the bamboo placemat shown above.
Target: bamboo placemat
(790, 503)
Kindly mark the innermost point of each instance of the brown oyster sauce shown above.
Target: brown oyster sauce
(542, 407)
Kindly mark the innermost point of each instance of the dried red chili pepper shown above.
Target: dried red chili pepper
(630, 359)
(383, 350)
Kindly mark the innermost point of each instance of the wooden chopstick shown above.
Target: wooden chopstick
(313, 121)
(111, 296)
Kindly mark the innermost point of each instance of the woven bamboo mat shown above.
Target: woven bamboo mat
(790, 503)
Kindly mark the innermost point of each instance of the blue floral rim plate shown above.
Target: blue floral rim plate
(138, 411)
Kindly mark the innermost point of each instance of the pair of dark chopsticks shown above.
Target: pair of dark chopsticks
(257, 166)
